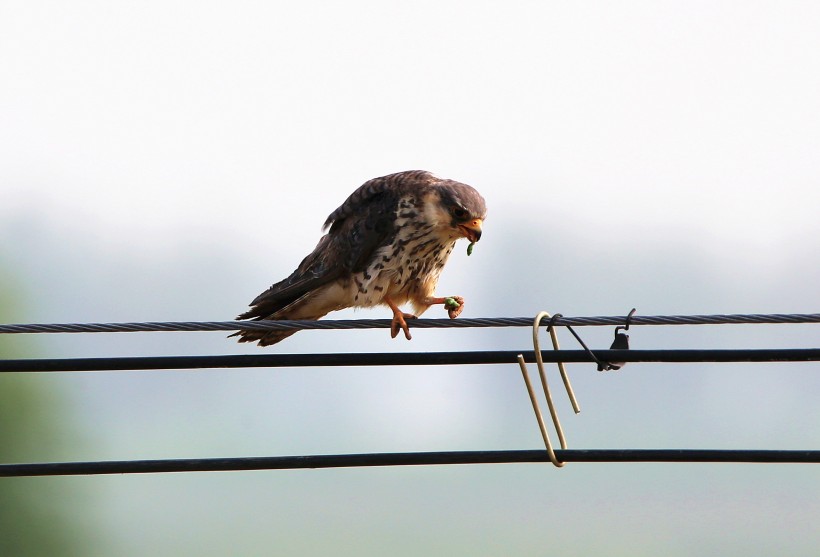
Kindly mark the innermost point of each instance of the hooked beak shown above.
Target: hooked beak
(472, 229)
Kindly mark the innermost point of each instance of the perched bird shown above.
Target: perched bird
(387, 245)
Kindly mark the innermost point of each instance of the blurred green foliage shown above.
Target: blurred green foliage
(34, 512)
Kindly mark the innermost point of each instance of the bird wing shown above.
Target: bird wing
(359, 235)
(315, 270)
(360, 226)
(391, 185)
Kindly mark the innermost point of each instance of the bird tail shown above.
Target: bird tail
(299, 307)
(265, 338)
(295, 310)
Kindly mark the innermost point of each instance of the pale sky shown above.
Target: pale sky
(169, 160)
(176, 116)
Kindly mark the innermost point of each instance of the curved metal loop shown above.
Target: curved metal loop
(540, 361)
(542, 374)
(625, 326)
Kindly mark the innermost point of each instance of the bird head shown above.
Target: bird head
(460, 208)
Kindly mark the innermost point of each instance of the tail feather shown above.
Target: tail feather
(295, 311)
(310, 305)
(265, 338)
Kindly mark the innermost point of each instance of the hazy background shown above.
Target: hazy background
(170, 160)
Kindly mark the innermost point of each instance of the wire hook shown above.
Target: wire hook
(542, 374)
(627, 322)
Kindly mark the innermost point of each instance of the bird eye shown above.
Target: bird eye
(459, 213)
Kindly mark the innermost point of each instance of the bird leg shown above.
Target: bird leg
(398, 320)
(453, 304)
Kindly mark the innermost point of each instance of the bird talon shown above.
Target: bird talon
(454, 306)
(400, 323)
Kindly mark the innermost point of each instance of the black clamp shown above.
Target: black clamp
(621, 342)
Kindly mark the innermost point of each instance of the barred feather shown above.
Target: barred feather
(390, 237)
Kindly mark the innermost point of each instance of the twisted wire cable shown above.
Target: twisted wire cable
(327, 324)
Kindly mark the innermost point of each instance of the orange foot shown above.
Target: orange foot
(399, 320)
(453, 304)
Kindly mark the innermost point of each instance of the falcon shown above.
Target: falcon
(386, 245)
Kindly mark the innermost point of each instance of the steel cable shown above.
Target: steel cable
(191, 326)
(406, 459)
